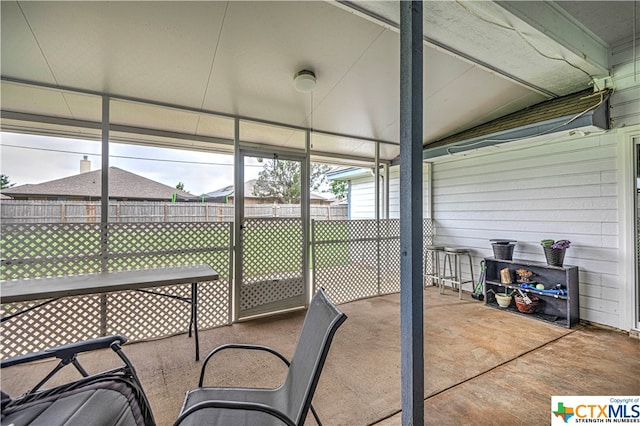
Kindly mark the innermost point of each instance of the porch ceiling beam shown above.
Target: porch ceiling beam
(169, 134)
(537, 45)
(95, 125)
(180, 108)
(47, 119)
(347, 157)
(388, 19)
(37, 118)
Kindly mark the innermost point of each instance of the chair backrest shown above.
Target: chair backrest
(320, 324)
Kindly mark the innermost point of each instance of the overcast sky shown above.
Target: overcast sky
(35, 159)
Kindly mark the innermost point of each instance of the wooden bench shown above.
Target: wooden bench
(105, 282)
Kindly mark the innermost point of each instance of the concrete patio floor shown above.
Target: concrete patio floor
(482, 365)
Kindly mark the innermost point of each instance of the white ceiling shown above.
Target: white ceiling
(482, 60)
(612, 21)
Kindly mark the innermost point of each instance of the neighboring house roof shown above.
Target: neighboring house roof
(228, 191)
(320, 196)
(222, 192)
(122, 184)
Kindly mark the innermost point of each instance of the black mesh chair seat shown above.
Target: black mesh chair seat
(111, 398)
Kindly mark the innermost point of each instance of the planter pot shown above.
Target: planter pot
(503, 251)
(555, 257)
(503, 301)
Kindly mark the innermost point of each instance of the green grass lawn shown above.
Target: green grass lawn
(268, 248)
(278, 247)
(39, 252)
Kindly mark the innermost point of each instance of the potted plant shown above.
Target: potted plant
(554, 251)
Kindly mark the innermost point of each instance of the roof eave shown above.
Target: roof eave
(349, 174)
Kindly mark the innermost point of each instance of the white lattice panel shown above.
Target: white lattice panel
(260, 293)
(47, 250)
(345, 259)
(389, 256)
(62, 321)
(123, 307)
(359, 258)
(40, 250)
(271, 262)
(214, 308)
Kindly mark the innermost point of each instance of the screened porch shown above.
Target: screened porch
(221, 78)
(482, 365)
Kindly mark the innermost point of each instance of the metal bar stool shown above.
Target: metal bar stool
(455, 273)
(432, 254)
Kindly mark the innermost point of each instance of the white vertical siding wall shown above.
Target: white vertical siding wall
(564, 188)
(363, 190)
(394, 192)
(625, 102)
(625, 113)
(426, 191)
(362, 198)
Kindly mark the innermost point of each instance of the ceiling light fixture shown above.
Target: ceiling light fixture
(304, 81)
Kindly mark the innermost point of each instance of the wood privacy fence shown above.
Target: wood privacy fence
(53, 211)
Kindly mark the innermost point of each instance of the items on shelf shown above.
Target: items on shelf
(524, 276)
(553, 294)
(505, 276)
(543, 290)
(523, 306)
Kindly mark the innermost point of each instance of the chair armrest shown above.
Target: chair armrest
(66, 352)
(239, 346)
(235, 405)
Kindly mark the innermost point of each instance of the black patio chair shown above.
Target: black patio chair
(110, 398)
(286, 404)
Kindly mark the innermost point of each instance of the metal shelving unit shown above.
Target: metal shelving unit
(558, 309)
